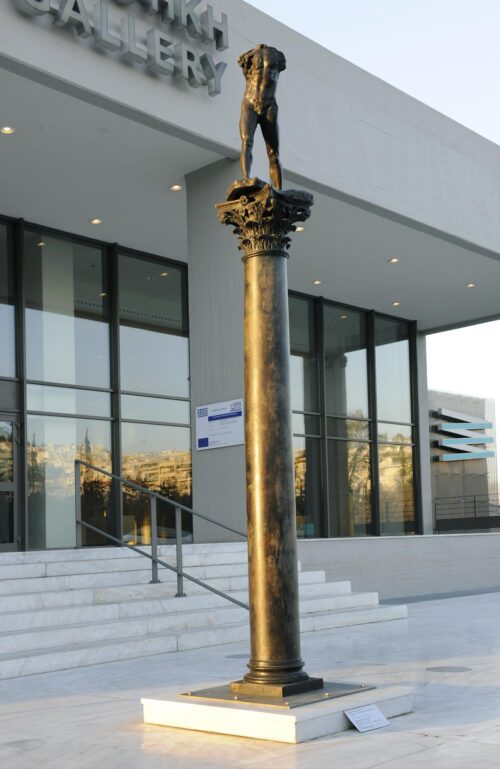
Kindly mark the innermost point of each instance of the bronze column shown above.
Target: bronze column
(263, 218)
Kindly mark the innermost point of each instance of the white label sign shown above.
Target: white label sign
(219, 425)
(367, 718)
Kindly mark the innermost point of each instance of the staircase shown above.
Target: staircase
(64, 609)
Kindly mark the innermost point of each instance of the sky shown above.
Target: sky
(446, 53)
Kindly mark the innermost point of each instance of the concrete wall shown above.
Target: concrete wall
(400, 567)
(216, 346)
(346, 129)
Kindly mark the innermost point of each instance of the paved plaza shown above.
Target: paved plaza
(91, 718)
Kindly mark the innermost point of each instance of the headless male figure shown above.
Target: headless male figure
(261, 67)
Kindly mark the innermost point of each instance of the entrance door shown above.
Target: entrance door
(8, 484)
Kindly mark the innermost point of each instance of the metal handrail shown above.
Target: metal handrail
(155, 561)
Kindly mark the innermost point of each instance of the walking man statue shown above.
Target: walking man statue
(261, 67)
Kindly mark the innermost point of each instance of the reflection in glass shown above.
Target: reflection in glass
(6, 518)
(391, 433)
(6, 452)
(306, 453)
(7, 319)
(154, 350)
(305, 424)
(53, 444)
(67, 401)
(345, 362)
(392, 365)
(158, 458)
(67, 335)
(303, 363)
(155, 409)
(397, 508)
(349, 488)
(353, 429)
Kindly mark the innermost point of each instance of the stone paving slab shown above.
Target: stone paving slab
(87, 719)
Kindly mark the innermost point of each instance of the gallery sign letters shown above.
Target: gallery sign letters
(170, 46)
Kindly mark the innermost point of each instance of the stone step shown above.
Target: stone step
(82, 655)
(32, 631)
(108, 553)
(79, 614)
(360, 616)
(48, 600)
(10, 587)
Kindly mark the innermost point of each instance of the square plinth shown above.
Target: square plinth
(267, 722)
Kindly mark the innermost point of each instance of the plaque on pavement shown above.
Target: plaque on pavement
(366, 718)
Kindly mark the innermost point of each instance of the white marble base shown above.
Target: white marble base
(300, 724)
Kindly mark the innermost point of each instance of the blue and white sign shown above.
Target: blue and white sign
(220, 424)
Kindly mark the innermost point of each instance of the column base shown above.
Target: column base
(261, 689)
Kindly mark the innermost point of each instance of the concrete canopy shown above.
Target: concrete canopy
(71, 160)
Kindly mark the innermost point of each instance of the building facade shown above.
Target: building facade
(121, 295)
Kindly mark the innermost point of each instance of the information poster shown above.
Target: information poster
(219, 425)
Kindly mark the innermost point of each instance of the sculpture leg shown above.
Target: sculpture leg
(270, 132)
(248, 124)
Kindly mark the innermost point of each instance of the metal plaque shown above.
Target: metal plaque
(329, 691)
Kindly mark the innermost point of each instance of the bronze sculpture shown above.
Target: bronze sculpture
(261, 67)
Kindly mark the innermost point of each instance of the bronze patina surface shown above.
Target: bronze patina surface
(261, 67)
(263, 219)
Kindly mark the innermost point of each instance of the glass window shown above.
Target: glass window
(53, 444)
(392, 363)
(64, 400)
(345, 362)
(397, 508)
(154, 350)
(349, 479)
(307, 461)
(6, 452)
(155, 409)
(158, 458)
(6, 518)
(303, 364)
(305, 424)
(353, 429)
(7, 316)
(67, 334)
(392, 433)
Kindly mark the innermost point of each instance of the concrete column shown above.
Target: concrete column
(424, 449)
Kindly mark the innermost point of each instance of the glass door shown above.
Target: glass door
(8, 488)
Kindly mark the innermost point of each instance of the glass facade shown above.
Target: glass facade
(7, 312)
(353, 421)
(95, 367)
(103, 377)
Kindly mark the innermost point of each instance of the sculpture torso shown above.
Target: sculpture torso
(262, 67)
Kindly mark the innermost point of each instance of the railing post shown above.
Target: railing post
(78, 505)
(178, 546)
(475, 505)
(154, 543)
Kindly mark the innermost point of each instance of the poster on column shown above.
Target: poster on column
(220, 424)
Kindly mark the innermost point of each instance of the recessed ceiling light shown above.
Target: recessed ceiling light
(393, 260)
(176, 187)
(299, 228)
(396, 304)
(471, 285)
(7, 130)
(316, 283)
(41, 243)
(163, 274)
(343, 317)
(96, 221)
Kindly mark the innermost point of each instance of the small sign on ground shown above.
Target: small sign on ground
(367, 718)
